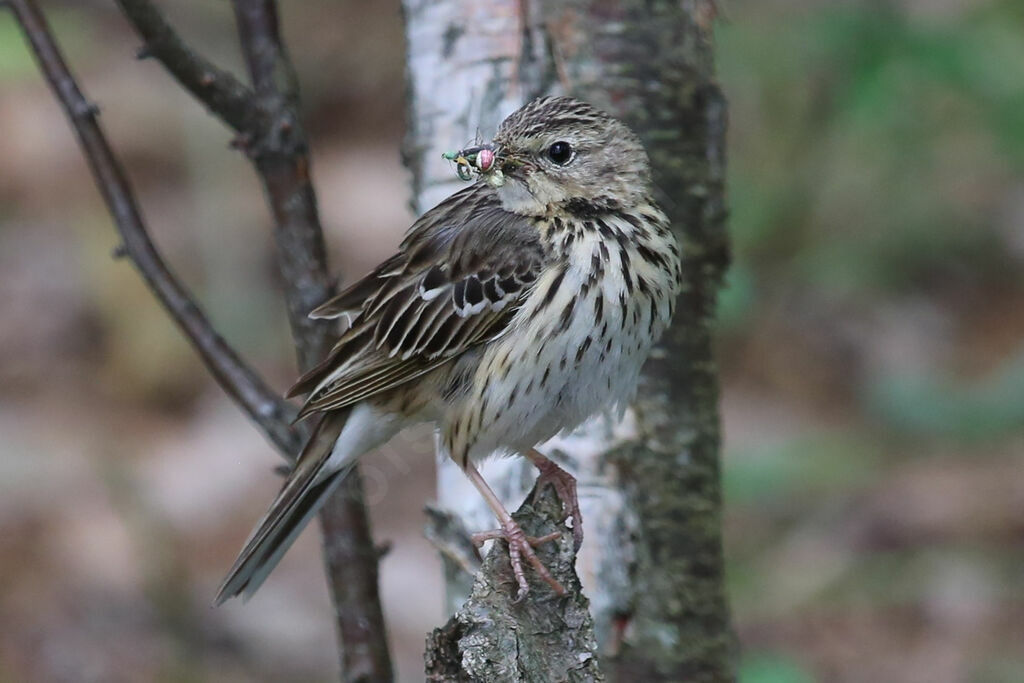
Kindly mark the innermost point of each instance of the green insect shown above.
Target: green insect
(479, 159)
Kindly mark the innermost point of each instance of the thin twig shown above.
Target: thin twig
(241, 382)
(225, 95)
(281, 155)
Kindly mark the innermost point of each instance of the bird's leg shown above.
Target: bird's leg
(519, 544)
(565, 487)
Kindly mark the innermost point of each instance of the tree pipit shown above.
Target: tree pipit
(513, 310)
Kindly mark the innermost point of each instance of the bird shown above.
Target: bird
(512, 311)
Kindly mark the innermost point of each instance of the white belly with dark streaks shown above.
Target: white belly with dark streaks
(570, 353)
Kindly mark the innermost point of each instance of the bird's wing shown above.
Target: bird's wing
(458, 278)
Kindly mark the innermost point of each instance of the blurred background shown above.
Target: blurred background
(871, 340)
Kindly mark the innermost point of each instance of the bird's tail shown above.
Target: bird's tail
(305, 491)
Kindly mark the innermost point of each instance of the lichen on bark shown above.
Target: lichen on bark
(544, 637)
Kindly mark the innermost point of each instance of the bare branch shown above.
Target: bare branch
(264, 51)
(242, 383)
(281, 155)
(270, 132)
(352, 560)
(225, 95)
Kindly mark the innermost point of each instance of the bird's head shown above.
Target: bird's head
(560, 153)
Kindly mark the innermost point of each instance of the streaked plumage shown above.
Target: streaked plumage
(513, 310)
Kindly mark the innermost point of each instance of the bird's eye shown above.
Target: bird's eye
(560, 152)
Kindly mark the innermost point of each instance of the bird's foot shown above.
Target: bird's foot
(521, 546)
(565, 488)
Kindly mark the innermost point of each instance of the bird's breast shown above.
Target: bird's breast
(578, 341)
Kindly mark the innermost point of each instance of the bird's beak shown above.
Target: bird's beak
(512, 163)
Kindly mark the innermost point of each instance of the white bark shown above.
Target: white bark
(468, 69)
(651, 561)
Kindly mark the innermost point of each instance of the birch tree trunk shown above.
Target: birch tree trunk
(649, 488)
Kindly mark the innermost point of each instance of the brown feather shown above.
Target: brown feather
(303, 493)
(438, 297)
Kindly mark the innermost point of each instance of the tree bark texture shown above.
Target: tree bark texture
(543, 637)
(649, 484)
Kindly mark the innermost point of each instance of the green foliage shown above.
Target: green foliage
(15, 61)
(939, 407)
(772, 669)
(74, 28)
(736, 296)
(808, 464)
(867, 149)
(876, 169)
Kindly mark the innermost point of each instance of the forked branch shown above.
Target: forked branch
(263, 405)
(228, 98)
(270, 132)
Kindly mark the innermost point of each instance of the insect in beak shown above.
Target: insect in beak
(481, 159)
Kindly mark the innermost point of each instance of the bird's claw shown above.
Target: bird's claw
(565, 488)
(521, 546)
